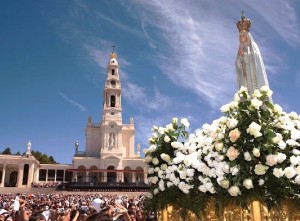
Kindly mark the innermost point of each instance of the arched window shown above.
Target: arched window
(112, 101)
(113, 72)
(111, 176)
(127, 175)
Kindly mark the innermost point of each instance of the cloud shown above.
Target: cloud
(200, 42)
(282, 17)
(195, 55)
(136, 95)
(73, 103)
(150, 41)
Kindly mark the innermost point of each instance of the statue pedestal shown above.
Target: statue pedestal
(255, 212)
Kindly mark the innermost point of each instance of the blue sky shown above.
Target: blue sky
(176, 57)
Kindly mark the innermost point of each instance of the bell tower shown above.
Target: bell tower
(112, 107)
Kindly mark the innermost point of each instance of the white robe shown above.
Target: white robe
(250, 68)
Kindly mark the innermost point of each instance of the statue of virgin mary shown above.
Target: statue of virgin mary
(250, 68)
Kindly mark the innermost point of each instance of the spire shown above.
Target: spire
(112, 109)
(113, 54)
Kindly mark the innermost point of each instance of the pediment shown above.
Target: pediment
(111, 157)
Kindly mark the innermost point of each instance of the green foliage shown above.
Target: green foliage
(7, 151)
(43, 158)
(251, 153)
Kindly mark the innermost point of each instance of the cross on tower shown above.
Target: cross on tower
(242, 14)
(113, 48)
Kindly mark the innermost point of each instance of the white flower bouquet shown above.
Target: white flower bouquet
(250, 153)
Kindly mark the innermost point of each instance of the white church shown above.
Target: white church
(109, 157)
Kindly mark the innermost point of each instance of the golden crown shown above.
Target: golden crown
(243, 24)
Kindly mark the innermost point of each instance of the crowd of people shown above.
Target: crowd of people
(73, 207)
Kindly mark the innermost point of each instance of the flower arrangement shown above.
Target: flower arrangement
(250, 153)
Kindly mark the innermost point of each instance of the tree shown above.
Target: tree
(7, 151)
(43, 158)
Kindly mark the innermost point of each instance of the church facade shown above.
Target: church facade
(110, 154)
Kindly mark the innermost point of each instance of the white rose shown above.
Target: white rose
(234, 170)
(155, 191)
(218, 146)
(254, 129)
(145, 151)
(276, 139)
(277, 108)
(190, 172)
(295, 134)
(234, 135)
(167, 139)
(233, 104)
(148, 159)
(225, 108)
(294, 161)
(264, 88)
(150, 170)
(224, 183)
(247, 156)
(232, 153)
(297, 180)
(256, 103)
(282, 145)
(289, 172)
(161, 174)
(161, 185)
(231, 123)
(256, 152)
(281, 157)
(261, 182)
(236, 98)
(257, 93)
(184, 187)
(260, 169)
(164, 167)
(161, 130)
(149, 195)
(185, 122)
(152, 148)
(234, 191)
(169, 128)
(155, 161)
(278, 172)
(271, 160)
(176, 144)
(248, 184)
(174, 120)
(296, 152)
(293, 115)
(220, 136)
(165, 157)
(242, 89)
(153, 179)
(154, 128)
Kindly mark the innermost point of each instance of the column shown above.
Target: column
(105, 177)
(87, 176)
(3, 175)
(30, 174)
(20, 175)
(55, 171)
(37, 175)
(64, 176)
